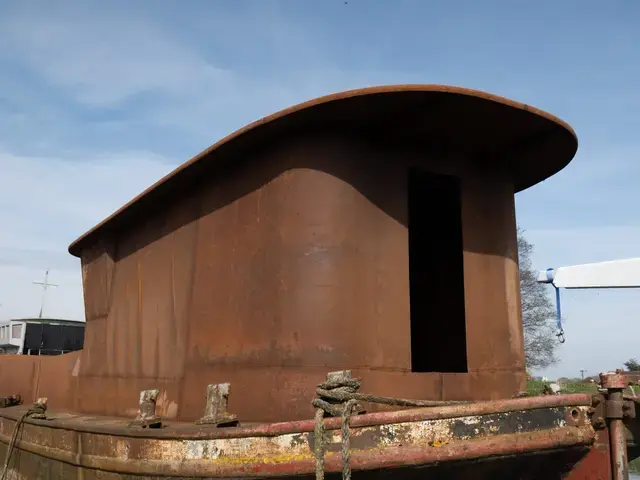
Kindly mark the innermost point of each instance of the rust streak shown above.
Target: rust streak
(373, 458)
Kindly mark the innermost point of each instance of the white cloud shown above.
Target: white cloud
(111, 59)
(102, 60)
(45, 203)
(74, 191)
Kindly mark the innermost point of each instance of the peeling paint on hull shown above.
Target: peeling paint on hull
(68, 444)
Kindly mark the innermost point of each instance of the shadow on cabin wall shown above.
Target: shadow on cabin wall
(151, 321)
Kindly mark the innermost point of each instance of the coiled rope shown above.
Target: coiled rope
(38, 410)
(338, 397)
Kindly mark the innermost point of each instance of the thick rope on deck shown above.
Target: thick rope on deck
(37, 410)
(338, 397)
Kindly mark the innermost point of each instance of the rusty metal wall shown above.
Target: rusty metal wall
(293, 263)
(32, 376)
(492, 280)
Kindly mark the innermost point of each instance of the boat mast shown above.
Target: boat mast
(44, 285)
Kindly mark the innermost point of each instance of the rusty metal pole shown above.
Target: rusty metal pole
(615, 384)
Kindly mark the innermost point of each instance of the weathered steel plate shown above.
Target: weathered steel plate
(403, 440)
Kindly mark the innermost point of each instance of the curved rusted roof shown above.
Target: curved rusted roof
(533, 144)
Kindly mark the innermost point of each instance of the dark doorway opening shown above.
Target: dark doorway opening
(436, 275)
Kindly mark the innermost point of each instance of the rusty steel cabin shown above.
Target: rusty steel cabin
(371, 230)
(366, 234)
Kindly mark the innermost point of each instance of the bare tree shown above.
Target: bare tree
(538, 312)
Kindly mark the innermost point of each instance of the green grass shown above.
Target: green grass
(535, 387)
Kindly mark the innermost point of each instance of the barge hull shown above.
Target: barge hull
(540, 437)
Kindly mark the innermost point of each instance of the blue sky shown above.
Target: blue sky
(100, 99)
